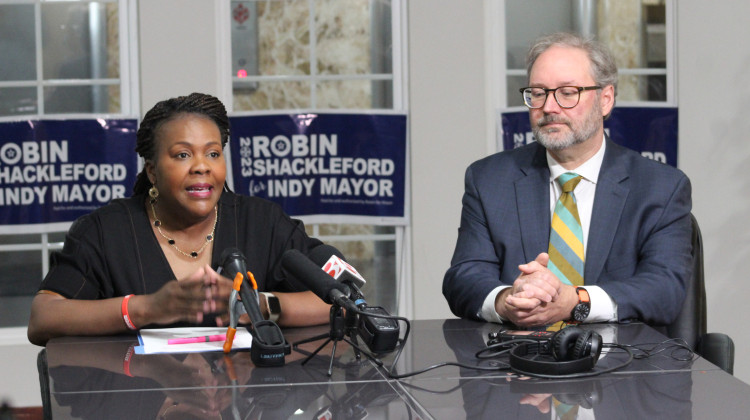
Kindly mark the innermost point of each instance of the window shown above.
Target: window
(347, 62)
(60, 59)
(639, 33)
(318, 55)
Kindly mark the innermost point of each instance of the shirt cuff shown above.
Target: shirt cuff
(603, 308)
(489, 313)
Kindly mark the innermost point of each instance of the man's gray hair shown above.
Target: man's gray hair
(603, 66)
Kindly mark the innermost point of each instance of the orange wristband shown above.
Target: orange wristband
(126, 315)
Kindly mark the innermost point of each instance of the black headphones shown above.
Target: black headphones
(571, 350)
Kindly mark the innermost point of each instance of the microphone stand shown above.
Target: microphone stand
(341, 328)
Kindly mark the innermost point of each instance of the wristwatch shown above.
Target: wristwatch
(273, 305)
(581, 310)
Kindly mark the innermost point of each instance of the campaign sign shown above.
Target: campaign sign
(347, 165)
(53, 171)
(650, 131)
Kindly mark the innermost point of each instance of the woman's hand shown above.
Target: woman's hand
(191, 299)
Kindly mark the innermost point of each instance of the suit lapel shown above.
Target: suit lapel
(612, 191)
(532, 200)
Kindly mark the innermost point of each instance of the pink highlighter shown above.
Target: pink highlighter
(202, 339)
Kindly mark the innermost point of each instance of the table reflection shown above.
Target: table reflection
(616, 395)
(95, 380)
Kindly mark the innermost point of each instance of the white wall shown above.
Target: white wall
(20, 386)
(447, 128)
(178, 53)
(714, 129)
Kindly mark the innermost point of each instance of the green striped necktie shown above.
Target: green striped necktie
(566, 235)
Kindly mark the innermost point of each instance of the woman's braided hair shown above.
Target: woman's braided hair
(195, 103)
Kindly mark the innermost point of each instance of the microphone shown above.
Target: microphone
(335, 266)
(269, 346)
(319, 255)
(332, 262)
(317, 280)
(374, 325)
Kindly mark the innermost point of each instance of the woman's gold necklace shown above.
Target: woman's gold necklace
(193, 254)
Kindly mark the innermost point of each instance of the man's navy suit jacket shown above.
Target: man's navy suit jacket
(638, 250)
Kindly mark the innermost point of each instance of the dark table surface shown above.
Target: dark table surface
(85, 378)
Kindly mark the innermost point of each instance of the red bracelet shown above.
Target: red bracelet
(127, 359)
(126, 315)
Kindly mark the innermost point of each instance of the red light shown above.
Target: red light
(241, 73)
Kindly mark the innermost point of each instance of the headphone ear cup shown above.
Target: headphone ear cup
(576, 343)
(582, 346)
(563, 343)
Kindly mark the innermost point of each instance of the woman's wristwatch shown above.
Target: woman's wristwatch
(272, 305)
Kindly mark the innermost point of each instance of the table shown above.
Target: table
(85, 378)
(659, 387)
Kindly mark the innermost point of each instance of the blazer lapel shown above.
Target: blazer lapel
(532, 200)
(611, 193)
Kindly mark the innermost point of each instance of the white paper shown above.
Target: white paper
(155, 340)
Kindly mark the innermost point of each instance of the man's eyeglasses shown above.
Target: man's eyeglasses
(566, 96)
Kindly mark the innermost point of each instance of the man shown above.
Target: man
(633, 213)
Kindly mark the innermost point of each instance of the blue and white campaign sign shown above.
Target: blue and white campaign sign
(326, 167)
(53, 171)
(650, 131)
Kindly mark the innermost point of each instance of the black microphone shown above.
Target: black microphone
(317, 280)
(333, 263)
(320, 254)
(269, 345)
(375, 325)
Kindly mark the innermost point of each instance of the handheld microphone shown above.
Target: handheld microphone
(320, 283)
(269, 346)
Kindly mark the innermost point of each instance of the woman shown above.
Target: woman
(147, 260)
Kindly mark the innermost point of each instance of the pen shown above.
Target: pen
(203, 339)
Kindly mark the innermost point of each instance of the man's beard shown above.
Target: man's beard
(578, 133)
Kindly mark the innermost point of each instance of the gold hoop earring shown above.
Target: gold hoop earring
(153, 192)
